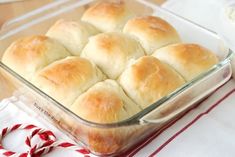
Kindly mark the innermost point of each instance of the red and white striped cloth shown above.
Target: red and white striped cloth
(45, 143)
(28, 140)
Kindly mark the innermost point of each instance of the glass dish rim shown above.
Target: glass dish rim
(134, 119)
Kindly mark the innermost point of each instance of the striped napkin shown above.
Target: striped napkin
(10, 115)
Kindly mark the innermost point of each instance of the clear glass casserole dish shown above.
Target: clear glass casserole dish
(116, 138)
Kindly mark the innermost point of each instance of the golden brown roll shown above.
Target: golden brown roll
(148, 80)
(152, 32)
(189, 60)
(73, 35)
(112, 51)
(108, 16)
(105, 102)
(30, 54)
(66, 79)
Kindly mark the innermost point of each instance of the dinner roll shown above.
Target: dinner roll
(147, 80)
(152, 32)
(105, 102)
(112, 52)
(29, 54)
(66, 79)
(189, 60)
(73, 35)
(108, 16)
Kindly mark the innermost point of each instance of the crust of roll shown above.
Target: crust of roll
(66, 79)
(29, 54)
(152, 32)
(105, 102)
(108, 16)
(147, 80)
(190, 60)
(73, 35)
(112, 52)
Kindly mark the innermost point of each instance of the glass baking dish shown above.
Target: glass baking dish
(115, 138)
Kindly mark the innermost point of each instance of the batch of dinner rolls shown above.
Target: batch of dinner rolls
(110, 64)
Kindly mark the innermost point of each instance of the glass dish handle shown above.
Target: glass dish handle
(226, 28)
(158, 117)
(233, 65)
(177, 103)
